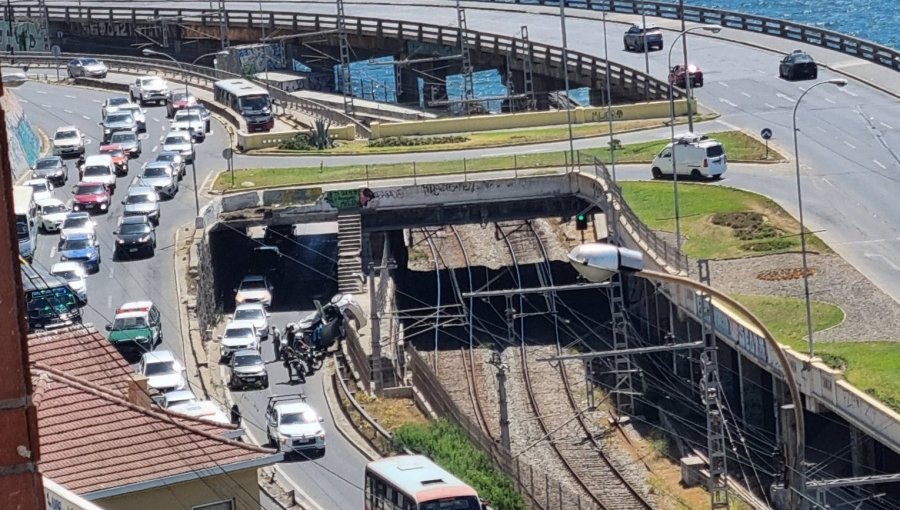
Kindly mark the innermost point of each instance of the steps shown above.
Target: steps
(350, 253)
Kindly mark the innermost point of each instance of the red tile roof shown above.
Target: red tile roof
(92, 439)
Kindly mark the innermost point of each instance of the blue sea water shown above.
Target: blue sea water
(875, 20)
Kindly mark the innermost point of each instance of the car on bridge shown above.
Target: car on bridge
(798, 65)
(293, 426)
(52, 168)
(68, 141)
(638, 36)
(137, 327)
(86, 67)
(678, 76)
(149, 89)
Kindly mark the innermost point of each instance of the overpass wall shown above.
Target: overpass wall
(24, 142)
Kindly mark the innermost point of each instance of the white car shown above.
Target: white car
(77, 222)
(149, 89)
(254, 288)
(138, 113)
(53, 212)
(293, 426)
(180, 142)
(163, 372)
(99, 169)
(256, 314)
(202, 409)
(43, 190)
(73, 273)
(237, 336)
(68, 141)
(177, 397)
(112, 104)
(190, 120)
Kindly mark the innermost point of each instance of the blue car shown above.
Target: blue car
(83, 248)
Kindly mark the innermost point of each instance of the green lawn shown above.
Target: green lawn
(870, 366)
(654, 203)
(736, 143)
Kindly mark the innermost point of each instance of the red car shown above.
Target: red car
(92, 197)
(676, 76)
(177, 101)
(120, 159)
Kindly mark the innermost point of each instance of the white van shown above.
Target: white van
(695, 155)
(26, 220)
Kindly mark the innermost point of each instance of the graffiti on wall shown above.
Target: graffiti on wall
(24, 36)
(153, 31)
(256, 58)
(24, 143)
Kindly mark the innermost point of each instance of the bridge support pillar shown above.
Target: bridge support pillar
(862, 452)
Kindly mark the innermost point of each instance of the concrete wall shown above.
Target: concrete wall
(654, 110)
(24, 142)
(242, 486)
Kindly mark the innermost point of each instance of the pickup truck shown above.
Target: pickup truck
(149, 89)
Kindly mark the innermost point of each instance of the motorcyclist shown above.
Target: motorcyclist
(293, 363)
(277, 342)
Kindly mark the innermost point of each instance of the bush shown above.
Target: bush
(446, 444)
(776, 244)
(761, 232)
(299, 142)
(414, 141)
(738, 220)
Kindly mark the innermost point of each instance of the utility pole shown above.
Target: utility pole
(346, 85)
(468, 82)
(377, 375)
(528, 69)
(502, 367)
(223, 24)
(690, 115)
(21, 486)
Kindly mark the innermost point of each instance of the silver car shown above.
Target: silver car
(68, 141)
(140, 116)
(247, 369)
(190, 120)
(180, 142)
(86, 67)
(175, 159)
(112, 104)
(118, 121)
(161, 176)
(142, 201)
(128, 141)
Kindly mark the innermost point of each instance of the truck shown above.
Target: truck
(694, 155)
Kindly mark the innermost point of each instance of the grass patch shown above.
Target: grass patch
(262, 177)
(446, 444)
(786, 317)
(718, 222)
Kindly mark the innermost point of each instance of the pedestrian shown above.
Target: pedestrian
(235, 415)
(276, 342)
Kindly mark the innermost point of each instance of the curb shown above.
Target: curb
(189, 344)
(341, 423)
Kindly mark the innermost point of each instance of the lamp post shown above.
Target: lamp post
(687, 77)
(148, 52)
(612, 146)
(646, 51)
(840, 82)
(565, 66)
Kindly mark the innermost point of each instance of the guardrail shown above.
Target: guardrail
(540, 54)
(861, 48)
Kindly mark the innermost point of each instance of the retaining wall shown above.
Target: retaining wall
(24, 141)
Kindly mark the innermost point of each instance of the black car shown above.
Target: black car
(134, 236)
(798, 65)
(52, 168)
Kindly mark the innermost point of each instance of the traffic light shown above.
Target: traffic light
(581, 222)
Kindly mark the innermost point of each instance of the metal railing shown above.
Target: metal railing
(548, 57)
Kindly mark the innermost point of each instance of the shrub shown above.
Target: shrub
(414, 141)
(761, 232)
(738, 220)
(446, 444)
(299, 142)
(776, 244)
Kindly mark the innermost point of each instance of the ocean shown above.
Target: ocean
(375, 80)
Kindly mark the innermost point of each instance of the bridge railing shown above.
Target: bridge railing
(541, 54)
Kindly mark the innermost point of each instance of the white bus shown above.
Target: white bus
(249, 100)
(26, 220)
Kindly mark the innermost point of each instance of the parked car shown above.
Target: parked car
(292, 425)
(208, 410)
(677, 76)
(255, 313)
(128, 141)
(190, 120)
(135, 235)
(77, 222)
(52, 168)
(238, 336)
(177, 397)
(68, 141)
(73, 273)
(137, 327)
(175, 159)
(695, 155)
(254, 289)
(119, 157)
(163, 372)
(247, 369)
(53, 212)
(100, 169)
(180, 142)
(82, 248)
(161, 176)
(112, 104)
(91, 196)
(177, 101)
(149, 89)
(117, 121)
(43, 190)
(142, 201)
(140, 116)
(86, 67)
(798, 65)
(638, 36)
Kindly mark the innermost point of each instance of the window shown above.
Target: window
(219, 505)
(714, 151)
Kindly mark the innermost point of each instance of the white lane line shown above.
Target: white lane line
(832, 101)
(23, 101)
(883, 259)
(70, 97)
(820, 128)
(155, 119)
(769, 106)
(85, 117)
(67, 111)
(52, 251)
(786, 98)
(829, 183)
(882, 123)
(112, 271)
(46, 106)
(109, 301)
(40, 92)
(729, 103)
(745, 94)
(154, 148)
(879, 163)
(97, 101)
(848, 144)
(722, 83)
(845, 91)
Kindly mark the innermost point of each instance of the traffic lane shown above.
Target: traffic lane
(334, 481)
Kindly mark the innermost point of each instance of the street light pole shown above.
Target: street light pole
(612, 146)
(646, 51)
(565, 66)
(840, 82)
(688, 80)
(687, 77)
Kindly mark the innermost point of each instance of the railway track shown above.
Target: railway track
(584, 459)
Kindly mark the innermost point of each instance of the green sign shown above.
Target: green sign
(343, 199)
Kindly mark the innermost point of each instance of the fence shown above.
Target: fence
(540, 492)
(358, 358)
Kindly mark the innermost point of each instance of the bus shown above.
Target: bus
(249, 100)
(26, 210)
(413, 482)
(49, 301)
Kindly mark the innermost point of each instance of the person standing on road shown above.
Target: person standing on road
(276, 342)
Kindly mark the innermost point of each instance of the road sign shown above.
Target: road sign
(766, 133)
(55, 50)
(227, 153)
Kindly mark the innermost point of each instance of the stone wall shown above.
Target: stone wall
(24, 141)
(205, 292)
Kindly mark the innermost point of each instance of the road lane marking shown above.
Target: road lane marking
(882, 258)
(879, 163)
(40, 92)
(786, 98)
(154, 148)
(820, 128)
(745, 94)
(832, 101)
(97, 101)
(67, 111)
(52, 251)
(886, 125)
(112, 271)
(23, 101)
(109, 301)
(829, 183)
(848, 144)
(70, 97)
(46, 106)
(85, 117)
(729, 103)
(845, 91)
(769, 106)
(155, 119)
(722, 83)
